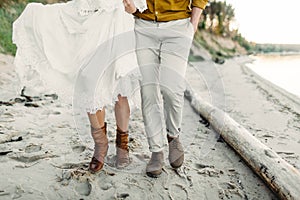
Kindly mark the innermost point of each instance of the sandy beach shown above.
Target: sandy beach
(43, 156)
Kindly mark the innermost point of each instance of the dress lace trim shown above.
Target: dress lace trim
(141, 5)
(86, 7)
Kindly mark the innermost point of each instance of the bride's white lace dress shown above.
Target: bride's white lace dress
(83, 50)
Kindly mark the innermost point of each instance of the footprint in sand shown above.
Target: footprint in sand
(31, 157)
(106, 186)
(136, 166)
(84, 188)
(78, 179)
(82, 165)
(178, 191)
(230, 190)
(79, 148)
(33, 148)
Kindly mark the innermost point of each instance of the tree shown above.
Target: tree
(217, 18)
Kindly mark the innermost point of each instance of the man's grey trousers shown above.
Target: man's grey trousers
(162, 52)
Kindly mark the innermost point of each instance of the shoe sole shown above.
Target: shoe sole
(153, 175)
(176, 166)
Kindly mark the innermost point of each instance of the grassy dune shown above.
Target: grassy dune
(9, 12)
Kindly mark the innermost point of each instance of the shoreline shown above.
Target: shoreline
(278, 174)
(270, 114)
(284, 109)
(273, 88)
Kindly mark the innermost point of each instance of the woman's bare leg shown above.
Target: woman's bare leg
(122, 113)
(97, 120)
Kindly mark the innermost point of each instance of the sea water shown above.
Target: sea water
(281, 70)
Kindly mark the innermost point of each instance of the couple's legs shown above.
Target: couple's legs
(122, 114)
(98, 130)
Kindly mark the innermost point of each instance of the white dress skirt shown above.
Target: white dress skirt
(84, 50)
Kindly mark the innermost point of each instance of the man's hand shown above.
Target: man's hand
(195, 17)
(129, 6)
(195, 25)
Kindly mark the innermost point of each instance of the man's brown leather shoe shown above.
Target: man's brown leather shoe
(155, 165)
(176, 152)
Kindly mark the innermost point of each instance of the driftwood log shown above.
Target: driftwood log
(279, 175)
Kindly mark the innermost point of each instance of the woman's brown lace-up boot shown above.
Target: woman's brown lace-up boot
(122, 149)
(100, 149)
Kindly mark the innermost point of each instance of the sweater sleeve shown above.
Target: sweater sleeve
(199, 3)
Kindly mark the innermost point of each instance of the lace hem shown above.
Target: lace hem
(141, 5)
(127, 86)
(87, 7)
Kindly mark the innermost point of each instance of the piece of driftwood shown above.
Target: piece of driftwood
(279, 175)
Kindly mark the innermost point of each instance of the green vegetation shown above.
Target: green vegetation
(9, 12)
(7, 16)
(216, 19)
(243, 42)
(276, 48)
